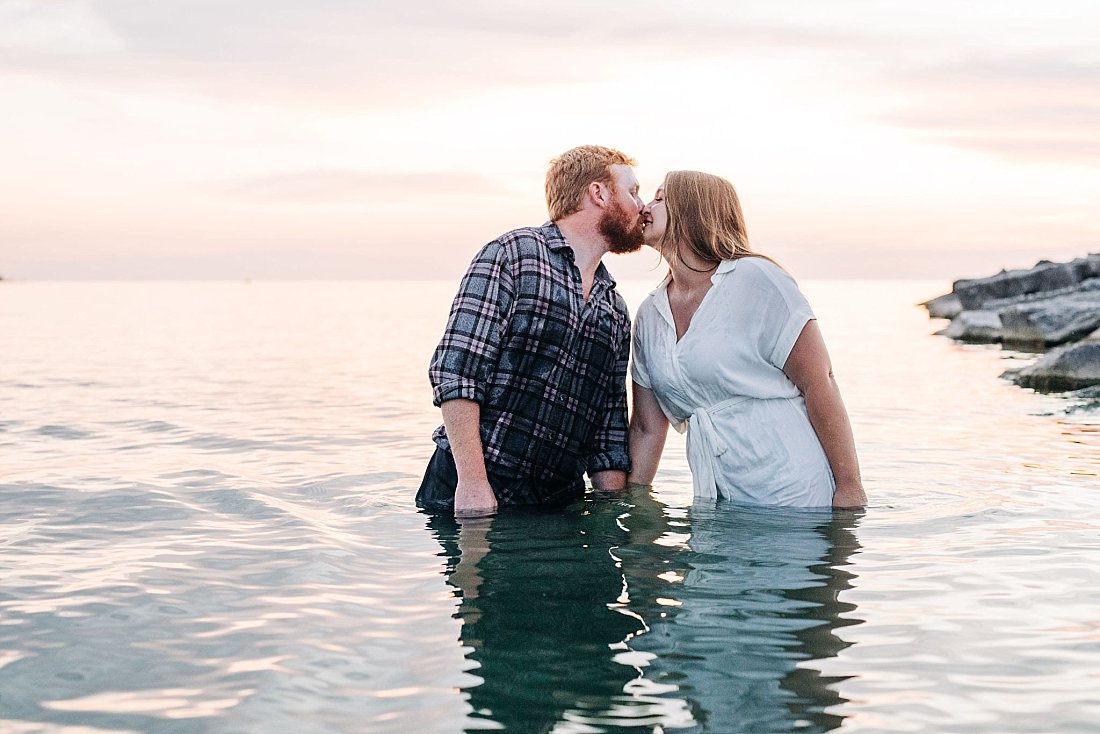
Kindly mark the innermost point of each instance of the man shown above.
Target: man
(530, 374)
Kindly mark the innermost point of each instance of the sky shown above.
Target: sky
(336, 139)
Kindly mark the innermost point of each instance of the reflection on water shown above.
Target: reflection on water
(537, 610)
(623, 613)
(206, 525)
(755, 600)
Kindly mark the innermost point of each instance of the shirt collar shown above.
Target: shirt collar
(557, 243)
(660, 300)
(660, 293)
(663, 284)
(602, 274)
(726, 266)
(555, 240)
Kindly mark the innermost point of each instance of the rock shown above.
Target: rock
(1088, 266)
(979, 327)
(1071, 367)
(1046, 276)
(1045, 306)
(1041, 324)
(1086, 393)
(1047, 279)
(1091, 286)
(943, 307)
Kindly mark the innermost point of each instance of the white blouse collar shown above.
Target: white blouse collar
(660, 293)
(726, 266)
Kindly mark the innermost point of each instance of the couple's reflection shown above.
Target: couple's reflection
(535, 590)
(620, 614)
(752, 603)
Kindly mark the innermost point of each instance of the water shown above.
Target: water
(206, 526)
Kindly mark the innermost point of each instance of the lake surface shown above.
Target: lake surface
(206, 525)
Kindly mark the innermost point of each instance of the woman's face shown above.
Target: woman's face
(656, 219)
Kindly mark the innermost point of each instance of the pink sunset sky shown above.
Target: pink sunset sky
(199, 139)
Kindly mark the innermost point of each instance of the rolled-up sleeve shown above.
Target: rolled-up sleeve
(609, 445)
(467, 354)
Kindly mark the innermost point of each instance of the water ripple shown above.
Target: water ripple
(207, 527)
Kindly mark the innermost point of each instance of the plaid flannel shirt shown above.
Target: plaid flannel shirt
(547, 368)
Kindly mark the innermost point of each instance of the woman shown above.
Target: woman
(728, 349)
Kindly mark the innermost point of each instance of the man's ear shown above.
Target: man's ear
(599, 193)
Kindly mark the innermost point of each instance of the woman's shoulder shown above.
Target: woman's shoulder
(762, 265)
(766, 271)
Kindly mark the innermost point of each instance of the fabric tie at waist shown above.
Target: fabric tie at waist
(704, 446)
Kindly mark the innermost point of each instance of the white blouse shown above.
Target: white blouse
(749, 436)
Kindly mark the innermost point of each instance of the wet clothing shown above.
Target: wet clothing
(547, 368)
(749, 435)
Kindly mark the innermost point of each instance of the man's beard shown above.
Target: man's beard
(616, 229)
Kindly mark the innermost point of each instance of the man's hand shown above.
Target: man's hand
(849, 497)
(609, 480)
(474, 499)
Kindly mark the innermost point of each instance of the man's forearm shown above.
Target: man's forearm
(462, 419)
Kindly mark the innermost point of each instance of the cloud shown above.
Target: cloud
(36, 28)
(1031, 107)
(313, 186)
(345, 54)
(139, 119)
(209, 28)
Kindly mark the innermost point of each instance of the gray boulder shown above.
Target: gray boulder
(1046, 276)
(1086, 393)
(1009, 287)
(1030, 310)
(943, 307)
(1087, 289)
(1071, 367)
(979, 327)
(1088, 266)
(1041, 324)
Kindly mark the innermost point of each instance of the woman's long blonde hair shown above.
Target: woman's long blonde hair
(704, 215)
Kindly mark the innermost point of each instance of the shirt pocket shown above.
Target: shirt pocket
(609, 327)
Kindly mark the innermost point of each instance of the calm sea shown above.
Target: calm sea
(206, 525)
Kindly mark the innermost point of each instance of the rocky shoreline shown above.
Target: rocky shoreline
(1051, 307)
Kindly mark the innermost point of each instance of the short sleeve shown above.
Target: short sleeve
(639, 369)
(791, 313)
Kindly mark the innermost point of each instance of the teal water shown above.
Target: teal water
(206, 526)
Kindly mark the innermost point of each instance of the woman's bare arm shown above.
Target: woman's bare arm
(648, 429)
(809, 368)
